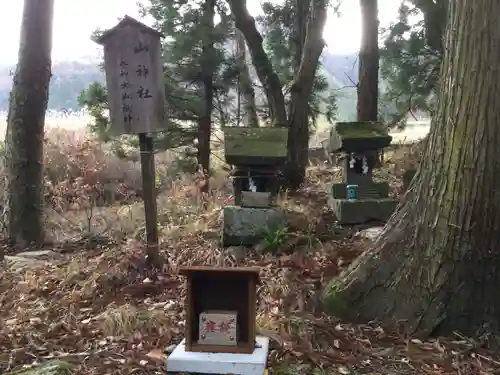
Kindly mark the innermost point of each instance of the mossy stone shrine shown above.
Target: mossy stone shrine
(361, 143)
(257, 155)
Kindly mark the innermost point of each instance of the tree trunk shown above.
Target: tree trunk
(267, 76)
(434, 269)
(301, 87)
(434, 11)
(298, 110)
(25, 124)
(367, 106)
(245, 87)
(207, 73)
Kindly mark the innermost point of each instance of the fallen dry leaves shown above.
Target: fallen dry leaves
(99, 311)
(102, 311)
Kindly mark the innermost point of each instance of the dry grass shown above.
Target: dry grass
(99, 308)
(126, 321)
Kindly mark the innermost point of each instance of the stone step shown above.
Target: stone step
(363, 211)
(244, 226)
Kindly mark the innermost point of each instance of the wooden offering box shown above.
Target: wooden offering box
(221, 306)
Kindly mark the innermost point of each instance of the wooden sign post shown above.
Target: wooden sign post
(136, 97)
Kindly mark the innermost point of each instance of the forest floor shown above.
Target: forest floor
(91, 305)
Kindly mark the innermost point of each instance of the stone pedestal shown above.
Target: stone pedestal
(182, 361)
(255, 199)
(246, 226)
(254, 214)
(359, 212)
(373, 203)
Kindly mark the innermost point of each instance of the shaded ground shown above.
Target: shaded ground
(100, 310)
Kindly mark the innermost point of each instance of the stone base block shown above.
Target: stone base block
(372, 190)
(247, 226)
(255, 199)
(362, 211)
(181, 361)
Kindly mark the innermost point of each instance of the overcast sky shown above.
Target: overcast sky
(74, 21)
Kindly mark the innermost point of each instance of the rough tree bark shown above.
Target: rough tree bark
(435, 269)
(297, 117)
(246, 95)
(207, 73)
(25, 124)
(367, 105)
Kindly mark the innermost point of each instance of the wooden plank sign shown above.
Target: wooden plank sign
(134, 78)
(136, 98)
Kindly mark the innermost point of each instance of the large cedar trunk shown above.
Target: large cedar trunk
(205, 122)
(367, 106)
(25, 124)
(435, 269)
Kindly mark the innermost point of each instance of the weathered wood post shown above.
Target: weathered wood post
(136, 97)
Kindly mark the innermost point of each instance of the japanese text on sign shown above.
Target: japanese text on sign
(141, 92)
(222, 327)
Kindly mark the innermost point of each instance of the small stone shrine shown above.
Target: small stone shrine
(220, 332)
(256, 155)
(359, 199)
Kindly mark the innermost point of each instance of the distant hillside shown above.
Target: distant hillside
(71, 78)
(342, 68)
(342, 71)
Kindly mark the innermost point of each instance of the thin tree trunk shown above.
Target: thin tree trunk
(310, 46)
(367, 106)
(434, 11)
(434, 270)
(246, 95)
(25, 124)
(207, 73)
(301, 87)
(267, 76)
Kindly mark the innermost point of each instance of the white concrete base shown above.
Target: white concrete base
(220, 363)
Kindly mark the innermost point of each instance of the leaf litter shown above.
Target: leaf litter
(103, 311)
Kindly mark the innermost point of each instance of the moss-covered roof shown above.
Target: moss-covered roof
(358, 136)
(262, 142)
(361, 129)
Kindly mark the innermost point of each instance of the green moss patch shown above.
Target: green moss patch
(54, 367)
(262, 142)
(361, 129)
(333, 301)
